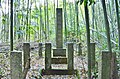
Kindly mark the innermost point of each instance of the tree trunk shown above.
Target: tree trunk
(107, 26)
(88, 40)
(77, 18)
(93, 20)
(11, 27)
(65, 22)
(118, 22)
(48, 29)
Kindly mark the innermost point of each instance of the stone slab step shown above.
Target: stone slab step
(59, 72)
(59, 52)
(59, 60)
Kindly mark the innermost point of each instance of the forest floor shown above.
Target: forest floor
(38, 63)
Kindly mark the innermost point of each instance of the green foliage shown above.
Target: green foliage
(91, 1)
(4, 19)
(40, 74)
(35, 26)
(77, 74)
(1, 71)
(86, 1)
(81, 1)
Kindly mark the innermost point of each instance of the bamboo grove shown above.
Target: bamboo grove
(35, 21)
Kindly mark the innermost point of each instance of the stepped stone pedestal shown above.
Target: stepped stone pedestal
(59, 54)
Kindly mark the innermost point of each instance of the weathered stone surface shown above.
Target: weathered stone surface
(59, 52)
(40, 50)
(92, 49)
(58, 60)
(70, 56)
(26, 53)
(105, 65)
(58, 72)
(79, 49)
(16, 64)
(114, 71)
(47, 56)
(59, 28)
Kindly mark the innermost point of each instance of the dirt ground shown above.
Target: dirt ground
(37, 64)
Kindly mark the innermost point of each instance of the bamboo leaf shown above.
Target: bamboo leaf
(91, 1)
(85, 2)
(81, 1)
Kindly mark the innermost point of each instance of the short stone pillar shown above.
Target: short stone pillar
(114, 71)
(47, 56)
(26, 54)
(40, 50)
(105, 65)
(16, 64)
(79, 49)
(92, 49)
(70, 56)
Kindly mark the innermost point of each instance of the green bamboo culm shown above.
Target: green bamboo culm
(77, 18)
(27, 19)
(48, 29)
(65, 21)
(41, 24)
(30, 21)
(11, 26)
(0, 3)
(93, 21)
(88, 38)
(107, 26)
(118, 21)
(45, 20)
